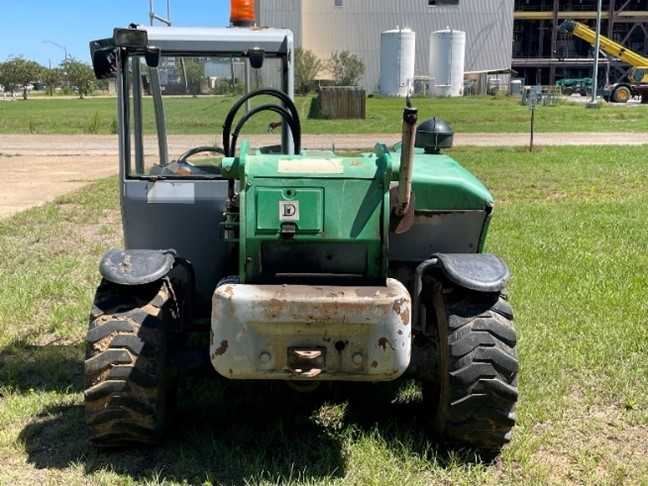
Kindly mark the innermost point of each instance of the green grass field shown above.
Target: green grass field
(206, 115)
(571, 223)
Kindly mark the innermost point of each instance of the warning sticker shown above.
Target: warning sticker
(310, 166)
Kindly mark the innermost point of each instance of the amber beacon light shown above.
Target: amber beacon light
(243, 13)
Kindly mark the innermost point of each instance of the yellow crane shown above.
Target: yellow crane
(637, 84)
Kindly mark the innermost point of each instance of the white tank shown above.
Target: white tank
(447, 61)
(397, 62)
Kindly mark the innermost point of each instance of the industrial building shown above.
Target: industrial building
(542, 54)
(325, 26)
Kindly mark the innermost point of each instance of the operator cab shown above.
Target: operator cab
(169, 81)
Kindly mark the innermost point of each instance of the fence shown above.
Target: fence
(341, 102)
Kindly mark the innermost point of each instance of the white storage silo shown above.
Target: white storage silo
(447, 61)
(397, 62)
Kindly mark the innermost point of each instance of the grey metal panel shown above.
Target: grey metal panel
(192, 228)
(356, 27)
(198, 39)
(455, 232)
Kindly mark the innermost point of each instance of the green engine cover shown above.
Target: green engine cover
(311, 215)
(319, 214)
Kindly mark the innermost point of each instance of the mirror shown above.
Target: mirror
(104, 60)
(256, 57)
(152, 57)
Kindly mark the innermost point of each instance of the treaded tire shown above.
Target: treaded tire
(474, 401)
(129, 383)
(622, 94)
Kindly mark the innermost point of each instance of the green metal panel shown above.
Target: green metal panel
(440, 183)
(336, 203)
(339, 200)
(268, 208)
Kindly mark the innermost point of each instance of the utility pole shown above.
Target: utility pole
(597, 47)
(60, 46)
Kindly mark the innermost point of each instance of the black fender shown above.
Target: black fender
(136, 267)
(481, 272)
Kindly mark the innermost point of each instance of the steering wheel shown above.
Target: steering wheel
(198, 150)
(183, 167)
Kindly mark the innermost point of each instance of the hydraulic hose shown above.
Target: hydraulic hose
(285, 99)
(269, 107)
(418, 288)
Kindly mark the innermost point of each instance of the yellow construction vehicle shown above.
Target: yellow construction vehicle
(637, 84)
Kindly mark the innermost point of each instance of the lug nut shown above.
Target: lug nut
(357, 359)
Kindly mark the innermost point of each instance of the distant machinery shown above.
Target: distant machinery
(542, 54)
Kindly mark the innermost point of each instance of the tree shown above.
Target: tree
(53, 78)
(3, 81)
(195, 72)
(307, 67)
(102, 84)
(346, 68)
(79, 75)
(19, 73)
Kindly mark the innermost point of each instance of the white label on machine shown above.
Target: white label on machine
(162, 192)
(289, 211)
(310, 166)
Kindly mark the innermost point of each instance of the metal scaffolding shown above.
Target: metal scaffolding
(542, 54)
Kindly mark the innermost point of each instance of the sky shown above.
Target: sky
(26, 24)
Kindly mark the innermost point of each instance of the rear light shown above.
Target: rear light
(243, 13)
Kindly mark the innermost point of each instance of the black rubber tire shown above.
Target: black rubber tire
(129, 383)
(622, 94)
(474, 402)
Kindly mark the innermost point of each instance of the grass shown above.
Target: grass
(206, 115)
(571, 223)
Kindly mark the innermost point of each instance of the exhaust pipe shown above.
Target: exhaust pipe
(410, 118)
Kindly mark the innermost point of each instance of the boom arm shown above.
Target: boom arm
(608, 46)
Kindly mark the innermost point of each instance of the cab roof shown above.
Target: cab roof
(223, 39)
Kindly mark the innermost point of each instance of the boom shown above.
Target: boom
(608, 46)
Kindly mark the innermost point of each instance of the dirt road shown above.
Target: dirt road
(38, 168)
(77, 145)
(32, 180)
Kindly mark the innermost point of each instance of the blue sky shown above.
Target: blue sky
(25, 24)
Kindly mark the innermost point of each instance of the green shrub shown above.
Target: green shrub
(94, 124)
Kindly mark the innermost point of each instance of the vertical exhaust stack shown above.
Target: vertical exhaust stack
(410, 118)
(402, 198)
(243, 13)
